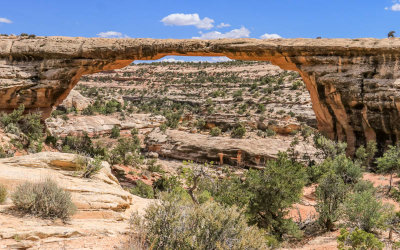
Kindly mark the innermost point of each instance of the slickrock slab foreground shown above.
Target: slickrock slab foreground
(353, 83)
(103, 206)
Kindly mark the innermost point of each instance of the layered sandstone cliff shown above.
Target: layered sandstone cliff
(352, 82)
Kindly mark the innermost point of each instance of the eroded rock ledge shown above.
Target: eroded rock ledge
(352, 82)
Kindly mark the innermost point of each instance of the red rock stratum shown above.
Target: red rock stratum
(352, 82)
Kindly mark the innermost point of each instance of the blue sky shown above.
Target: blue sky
(287, 18)
(201, 18)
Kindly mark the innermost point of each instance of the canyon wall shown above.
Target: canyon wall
(352, 82)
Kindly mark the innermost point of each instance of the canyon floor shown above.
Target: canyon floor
(231, 115)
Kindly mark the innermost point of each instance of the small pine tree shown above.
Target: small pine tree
(272, 191)
(330, 193)
(389, 163)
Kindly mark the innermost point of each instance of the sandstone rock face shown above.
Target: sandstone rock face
(101, 124)
(100, 196)
(182, 145)
(352, 82)
(76, 100)
(103, 207)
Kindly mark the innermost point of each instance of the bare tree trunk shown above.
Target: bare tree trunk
(390, 183)
(193, 188)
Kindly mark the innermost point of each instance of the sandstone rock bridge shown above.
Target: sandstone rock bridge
(353, 83)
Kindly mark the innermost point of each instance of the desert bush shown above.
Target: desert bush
(134, 132)
(19, 124)
(152, 167)
(115, 132)
(228, 191)
(44, 199)
(389, 163)
(89, 167)
(168, 184)
(365, 155)
(239, 131)
(79, 144)
(328, 148)
(126, 151)
(163, 127)
(343, 166)
(215, 131)
(3, 153)
(3, 193)
(363, 210)
(358, 239)
(143, 190)
(51, 140)
(330, 194)
(174, 223)
(201, 123)
(173, 118)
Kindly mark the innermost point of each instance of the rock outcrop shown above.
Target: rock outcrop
(101, 124)
(352, 82)
(100, 196)
(253, 152)
(103, 207)
(75, 100)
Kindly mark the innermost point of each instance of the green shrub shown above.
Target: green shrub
(215, 131)
(143, 190)
(328, 148)
(173, 118)
(44, 199)
(389, 163)
(363, 210)
(238, 132)
(163, 127)
(330, 193)
(19, 124)
(358, 239)
(168, 184)
(89, 167)
(270, 132)
(126, 151)
(174, 223)
(51, 140)
(366, 155)
(115, 132)
(134, 132)
(228, 191)
(343, 166)
(152, 167)
(3, 193)
(201, 123)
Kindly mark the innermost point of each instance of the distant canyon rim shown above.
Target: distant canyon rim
(353, 83)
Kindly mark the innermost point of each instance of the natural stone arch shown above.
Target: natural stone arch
(352, 83)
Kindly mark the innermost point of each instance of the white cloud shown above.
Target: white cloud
(270, 36)
(395, 6)
(180, 19)
(112, 34)
(235, 33)
(220, 59)
(223, 25)
(171, 60)
(5, 20)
